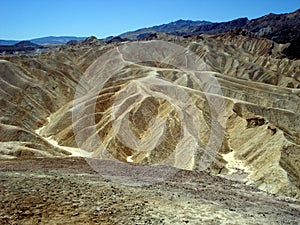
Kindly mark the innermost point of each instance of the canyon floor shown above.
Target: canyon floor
(68, 191)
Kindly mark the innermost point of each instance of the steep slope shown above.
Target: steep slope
(260, 95)
(282, 28)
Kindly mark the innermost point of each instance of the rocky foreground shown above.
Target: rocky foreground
(68, 191)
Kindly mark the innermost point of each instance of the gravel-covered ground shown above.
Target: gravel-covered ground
(68, 191)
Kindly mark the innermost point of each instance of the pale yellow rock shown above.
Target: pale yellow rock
(260, 89)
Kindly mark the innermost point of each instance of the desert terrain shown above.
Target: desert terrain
(196, 128)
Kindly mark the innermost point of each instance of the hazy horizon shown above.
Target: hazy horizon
(25, 20)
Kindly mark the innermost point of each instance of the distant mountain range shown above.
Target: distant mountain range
(177, 26)
(281, 28)
(278, 27)
(186, 27)
(51, 40)
(22, 47)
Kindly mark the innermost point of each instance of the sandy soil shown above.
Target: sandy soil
(68, 191)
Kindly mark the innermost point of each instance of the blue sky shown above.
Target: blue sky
(26, 19)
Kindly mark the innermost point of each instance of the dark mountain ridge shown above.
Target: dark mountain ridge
(262, 26)
(281, 28)
(20, 47)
